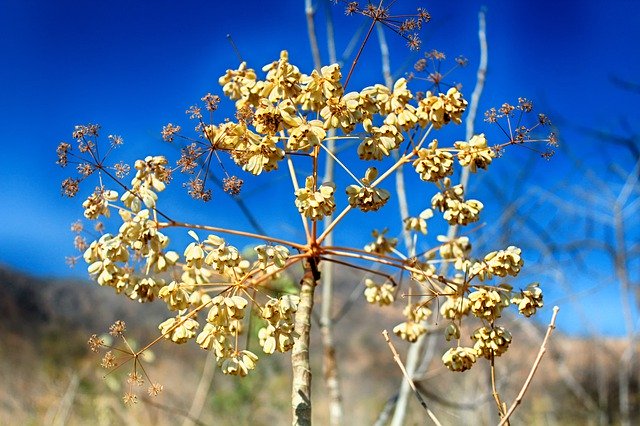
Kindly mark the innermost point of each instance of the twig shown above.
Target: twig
(534, 367)
(200, 397)
(398, 361)
(296, 186)
(311, 30)
(415, 359)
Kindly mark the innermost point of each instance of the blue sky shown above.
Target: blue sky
(134, 66)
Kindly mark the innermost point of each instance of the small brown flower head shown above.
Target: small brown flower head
(506, 109)
(189, 156)
(529, 300)
(244, 114)
(122, 169)
(433, 164)
(315, 204)
(155, 389)
(525, 105)
(491, 342)
(194, 112)
(95, 343)
(85, 169)
(134, 378)
(352, 7)
(211, 102)
(475, 153)
(232, 185)
(169, 131)
(543, 120)
(71, 261)
(195, 188)
(117, 328)
(82, 131)
(77, 227)
(130, 399)
(381, 244)
(459, 359)
(420, 65)
(414, 42)
(462, 61)
(115, 140)
(80, 243)
(491, 116)
(423, 15)
(108, 361)
(70, 187)
(381, 294)
(62, 151)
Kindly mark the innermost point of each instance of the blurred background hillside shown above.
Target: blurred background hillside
(135, 67)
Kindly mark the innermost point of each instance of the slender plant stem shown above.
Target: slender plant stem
(534, 367)
(398, 361)
(415, 356)
(296, 186)
(301, 385)
(355, 60)
(230, 231)
(310, 13)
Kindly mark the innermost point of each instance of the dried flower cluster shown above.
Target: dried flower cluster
(212, 288)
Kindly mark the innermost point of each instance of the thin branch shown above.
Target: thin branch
(311, 30)
(398, 361)
(534, 367)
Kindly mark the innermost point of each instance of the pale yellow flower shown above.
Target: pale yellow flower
(491, 342)
(432, 163)
(475, 153)
(459, 358)
(315, 204)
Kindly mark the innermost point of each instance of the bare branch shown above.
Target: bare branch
(534, 367)
(398, 361)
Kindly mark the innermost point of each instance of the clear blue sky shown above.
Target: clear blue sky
(134, 66)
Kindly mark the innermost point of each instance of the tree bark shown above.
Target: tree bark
(301, 386)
